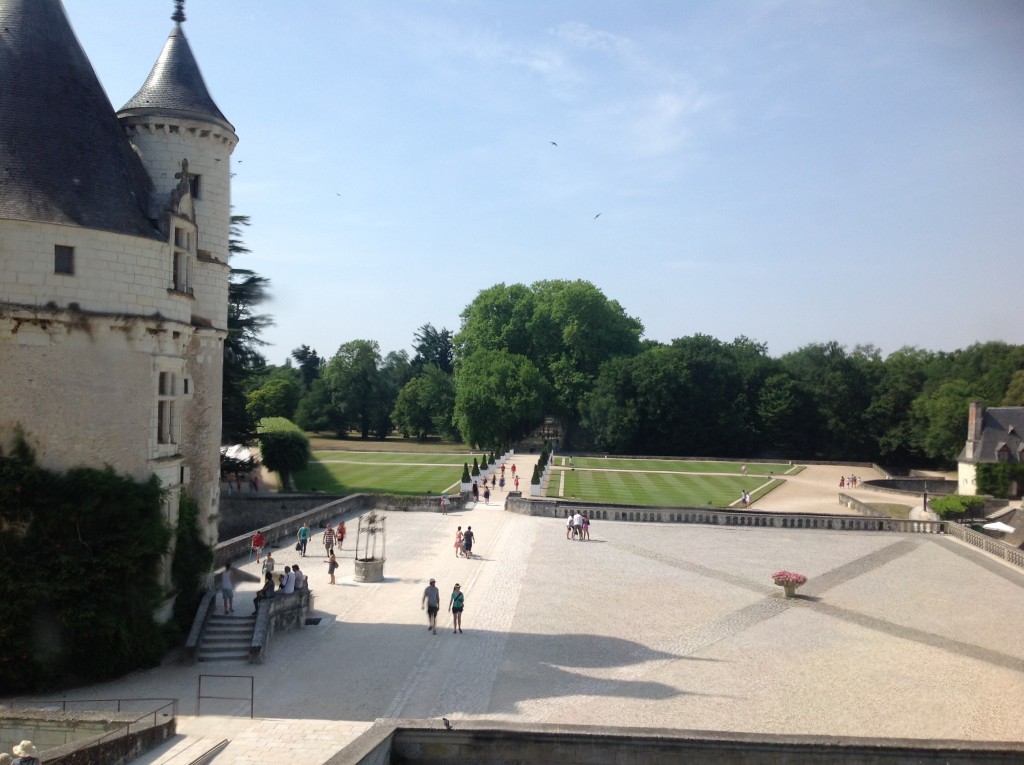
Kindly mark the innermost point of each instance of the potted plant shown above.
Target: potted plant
(370, 565)
(476, 469)
(535, 481)
(789, 581)
(484, 467)
(467, 482)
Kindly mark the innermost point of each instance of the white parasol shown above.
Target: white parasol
(999, 526)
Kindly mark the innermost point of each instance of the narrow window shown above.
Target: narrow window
(194, 186)
(183, 241)
(63, 259)
(166, 426)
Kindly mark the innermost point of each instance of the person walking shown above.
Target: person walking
(258, 543)
(268, 564)
(455, 606)
(227, 588)
(516, 482)
(458, 542)
(303, 538)
(431, 602)
(586, 526)
(467, 541)
(332, 566)
(339, 534)
(329, 540)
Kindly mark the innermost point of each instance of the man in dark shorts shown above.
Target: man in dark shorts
(467, 542)
(431, 602)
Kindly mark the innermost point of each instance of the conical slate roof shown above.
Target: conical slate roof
(64, 158)
(175, 86)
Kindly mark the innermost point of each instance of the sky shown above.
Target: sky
(792, 172)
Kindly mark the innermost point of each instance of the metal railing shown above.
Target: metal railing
(250, 698)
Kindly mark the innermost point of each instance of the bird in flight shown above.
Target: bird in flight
(553, 143)
(597, 216)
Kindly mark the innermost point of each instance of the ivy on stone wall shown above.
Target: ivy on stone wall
(81, 552)
(996, 479)
(193, 558)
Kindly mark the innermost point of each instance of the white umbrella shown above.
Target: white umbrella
(998, 526)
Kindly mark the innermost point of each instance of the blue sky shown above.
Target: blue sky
(794, 172)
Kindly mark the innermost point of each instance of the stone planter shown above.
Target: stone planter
(465, 487)
(370, 570)
(789, 589)
(534, 489)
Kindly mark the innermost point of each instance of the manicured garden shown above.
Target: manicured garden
(350, 472)
(680, 466)
(356, 467)
(666, 489)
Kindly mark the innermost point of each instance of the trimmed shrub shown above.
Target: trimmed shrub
(284, 448)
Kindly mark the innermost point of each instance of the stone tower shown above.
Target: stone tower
(113, 260)
(185, 144)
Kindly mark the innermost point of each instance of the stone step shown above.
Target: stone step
(223, 654)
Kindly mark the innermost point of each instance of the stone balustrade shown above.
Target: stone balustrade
(554, 508)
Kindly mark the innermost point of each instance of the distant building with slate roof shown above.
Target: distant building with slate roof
(994, 435)
(114, 267)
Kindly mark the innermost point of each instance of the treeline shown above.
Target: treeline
(562, 349)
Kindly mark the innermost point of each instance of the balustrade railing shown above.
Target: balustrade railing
(724, 517)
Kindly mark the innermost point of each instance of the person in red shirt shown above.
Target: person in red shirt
(258, 543)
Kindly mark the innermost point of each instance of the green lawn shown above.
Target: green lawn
(660, 489)
(680, 466)
(662, 482)
(394, 458)
(349, 473)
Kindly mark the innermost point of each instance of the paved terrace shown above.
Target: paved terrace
(914, 636)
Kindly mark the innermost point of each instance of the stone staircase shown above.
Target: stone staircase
(226, 638)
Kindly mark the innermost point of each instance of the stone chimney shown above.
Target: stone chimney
(975, 418)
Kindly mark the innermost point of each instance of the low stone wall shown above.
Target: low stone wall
(86, 737)
(914, 486)
(244, 513)
(282, 532)
(278, 613)
(316, 510)
(117, 750)
(554, 508)
(425, 742)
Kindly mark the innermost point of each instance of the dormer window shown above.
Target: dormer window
(1003, 453)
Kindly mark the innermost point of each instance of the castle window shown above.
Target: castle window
(194, 186)
(63, 259)
(166, 409)
(184, 242)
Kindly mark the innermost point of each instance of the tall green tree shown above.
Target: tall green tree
(499, 397)
(242, 359)
(425, 405)
(353, 376)
(942, 418)
(310, 364)
(567, 329)
(433, 348)
(275, 398)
